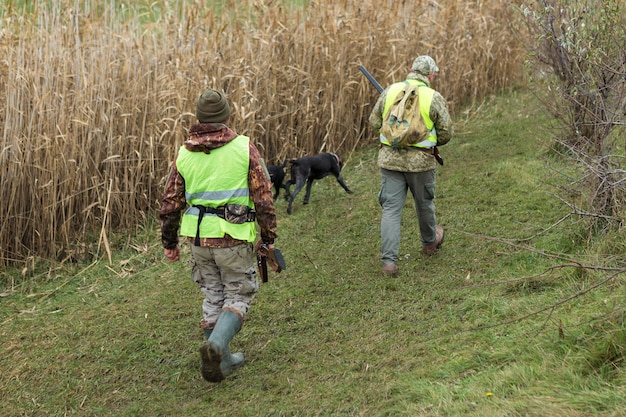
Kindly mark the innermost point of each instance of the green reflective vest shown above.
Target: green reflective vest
(425, 99)
(213, 180)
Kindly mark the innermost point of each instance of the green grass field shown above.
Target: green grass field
(503, 321)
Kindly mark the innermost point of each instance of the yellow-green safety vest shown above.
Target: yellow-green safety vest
(214, 180)
(425, 99)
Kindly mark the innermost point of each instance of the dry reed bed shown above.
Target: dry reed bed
(96, 103)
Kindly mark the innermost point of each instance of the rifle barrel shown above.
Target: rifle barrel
(371, 78)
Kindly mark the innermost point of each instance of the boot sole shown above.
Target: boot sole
(211, 360)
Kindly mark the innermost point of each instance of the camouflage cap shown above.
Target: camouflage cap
(424, 65)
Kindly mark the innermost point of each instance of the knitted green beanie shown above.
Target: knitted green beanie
(212, 107)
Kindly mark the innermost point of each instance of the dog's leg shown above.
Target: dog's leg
(299, 185)
(307, 195)
(287, 187)
(343, 184)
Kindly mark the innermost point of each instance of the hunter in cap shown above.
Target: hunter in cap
(411, 167)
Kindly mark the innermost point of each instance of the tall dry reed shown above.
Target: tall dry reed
(97, 99)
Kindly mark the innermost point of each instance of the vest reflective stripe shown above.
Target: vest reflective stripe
(425, 98)
(218, 195)
(213, 180)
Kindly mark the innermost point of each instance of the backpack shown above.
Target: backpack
(403, 125)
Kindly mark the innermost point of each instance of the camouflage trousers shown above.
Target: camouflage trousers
(392, 196)
(228, 279)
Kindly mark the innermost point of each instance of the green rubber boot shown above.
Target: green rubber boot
(217, 361)
(207, 333)
(229, 362)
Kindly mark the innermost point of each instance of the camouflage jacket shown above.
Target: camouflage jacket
(411, 159)
(202, 138)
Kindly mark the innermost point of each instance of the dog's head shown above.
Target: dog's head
(277, 172)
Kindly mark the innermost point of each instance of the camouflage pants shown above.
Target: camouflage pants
(392, 196)
(228, 279)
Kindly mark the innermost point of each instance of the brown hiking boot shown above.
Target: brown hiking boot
(390, 269)
(434, 247)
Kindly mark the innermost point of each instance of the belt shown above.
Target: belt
(232, 213)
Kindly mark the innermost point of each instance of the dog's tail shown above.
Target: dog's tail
(284, 164)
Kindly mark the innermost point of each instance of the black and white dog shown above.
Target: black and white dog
(277, 176)
(310, 168)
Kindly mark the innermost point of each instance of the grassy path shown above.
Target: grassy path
(330, 336)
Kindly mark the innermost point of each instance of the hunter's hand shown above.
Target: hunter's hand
(262, 248)
(172, 255)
